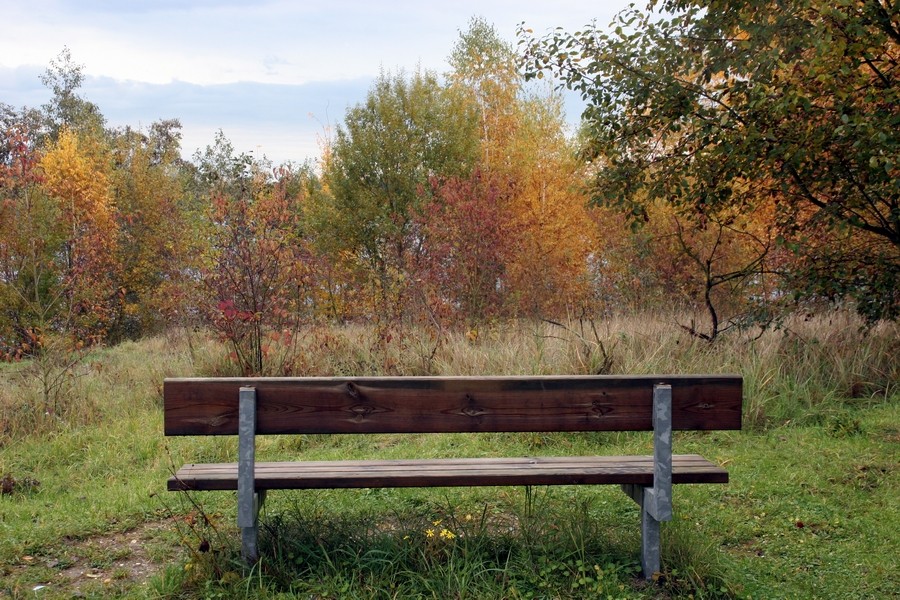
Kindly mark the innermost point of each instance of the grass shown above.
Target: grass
(810, 510)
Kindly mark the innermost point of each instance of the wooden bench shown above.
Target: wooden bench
(249, 407)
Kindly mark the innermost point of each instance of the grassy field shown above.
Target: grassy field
(810, 512)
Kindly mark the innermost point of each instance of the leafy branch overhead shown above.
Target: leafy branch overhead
(714, 105)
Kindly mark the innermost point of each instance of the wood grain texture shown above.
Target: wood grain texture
(451, 404)
(687, 468)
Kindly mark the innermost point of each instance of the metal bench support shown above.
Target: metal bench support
(249, 500)
(656, 501)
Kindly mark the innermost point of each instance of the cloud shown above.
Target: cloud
(257, 69)
(275, 41)
(282, 121)
(22, 86)
(263, 103)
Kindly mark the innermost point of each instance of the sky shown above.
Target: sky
(273, 75)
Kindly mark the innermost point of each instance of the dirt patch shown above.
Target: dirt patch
(114, 562)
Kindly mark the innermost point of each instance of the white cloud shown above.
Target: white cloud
(255, 67)
(208, 42)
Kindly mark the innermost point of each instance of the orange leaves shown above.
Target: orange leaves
(549, 235)
(76, 176)
(510, 241)
(551, 213)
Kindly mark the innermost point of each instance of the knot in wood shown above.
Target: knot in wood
(705, 405)
(600, 409)
(361, 411)
(472, 411)
(352, 390)
(216, 420)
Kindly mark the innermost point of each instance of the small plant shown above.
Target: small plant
(10, 485)
(843, 424)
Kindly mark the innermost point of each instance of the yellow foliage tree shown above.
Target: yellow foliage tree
(549, 272)
(154, 235)
(523, 141)
(76, 175)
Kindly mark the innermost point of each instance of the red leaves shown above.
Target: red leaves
(467, 237)
(230, 313)
(256, 271)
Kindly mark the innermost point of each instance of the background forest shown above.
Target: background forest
(729, 203)
(733, 166)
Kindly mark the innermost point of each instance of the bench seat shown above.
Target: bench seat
(448, 472)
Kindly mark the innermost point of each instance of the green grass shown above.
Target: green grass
(810, 511)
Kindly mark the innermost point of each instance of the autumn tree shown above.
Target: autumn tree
(255, 269)
(59, 245)
(466, 237)
(155, 233)
(31, 237)
(76, 176)
(795, 102)
(548, 274)
(409, 129)
(522, 138)
(41, 285)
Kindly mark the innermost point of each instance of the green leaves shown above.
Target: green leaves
(795, 99)
(408, 129)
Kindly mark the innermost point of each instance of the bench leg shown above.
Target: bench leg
(650, 545)
(250, 544)
(656, 501)
(250, 531)
(249, 500)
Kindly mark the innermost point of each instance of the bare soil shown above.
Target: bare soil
(108, 564)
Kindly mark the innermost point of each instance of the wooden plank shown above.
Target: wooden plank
(451, 404)
(688, 468)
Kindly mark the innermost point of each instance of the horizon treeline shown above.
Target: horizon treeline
(453, 201)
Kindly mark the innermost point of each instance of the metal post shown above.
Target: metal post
(651, 545)
(656, 502)
(247, 498)
(662, 452)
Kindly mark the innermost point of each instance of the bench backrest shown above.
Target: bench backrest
(306, 405)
